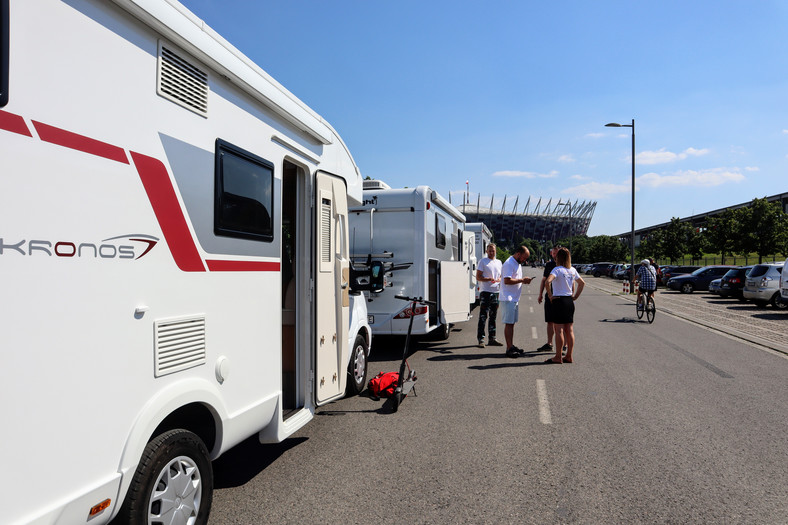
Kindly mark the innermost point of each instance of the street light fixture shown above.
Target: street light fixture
(632, 240)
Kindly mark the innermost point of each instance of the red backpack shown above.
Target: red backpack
(383, 384)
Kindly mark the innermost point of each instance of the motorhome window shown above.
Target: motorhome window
(4, 43)
(244, 194)
(440, 231)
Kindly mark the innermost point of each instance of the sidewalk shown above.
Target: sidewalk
(765, 327)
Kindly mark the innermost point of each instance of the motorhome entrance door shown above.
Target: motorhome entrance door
(332, 303)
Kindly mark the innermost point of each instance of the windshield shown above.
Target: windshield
(699, 271)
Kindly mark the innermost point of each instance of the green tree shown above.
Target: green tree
(606, 248)
(696, 242)
(652, 246)
(722, 233)
(762, 226)
(675, 239)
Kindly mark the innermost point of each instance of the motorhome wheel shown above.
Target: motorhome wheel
(357, 368)
(173, 482)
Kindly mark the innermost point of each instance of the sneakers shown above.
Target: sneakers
(547, 347)
(480, 344)
(513, 351)
(494, 342)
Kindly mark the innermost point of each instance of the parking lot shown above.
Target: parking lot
(763, 326)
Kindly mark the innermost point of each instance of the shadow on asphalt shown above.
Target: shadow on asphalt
(243, 462)
(624, 320)
(781, 316)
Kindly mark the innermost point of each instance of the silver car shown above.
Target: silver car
(763, 285)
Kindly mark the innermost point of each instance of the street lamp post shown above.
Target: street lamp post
(632, 240)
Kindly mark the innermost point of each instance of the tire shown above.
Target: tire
(651, 310)
(777, 303)
(357, 367)
(173, 465)
(687, 288)
(637, 305)
(442, 332)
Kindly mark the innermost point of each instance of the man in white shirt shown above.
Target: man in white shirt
(512, 273)
(488, 275)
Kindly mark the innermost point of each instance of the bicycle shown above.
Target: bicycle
(407, 382)
(650, 309)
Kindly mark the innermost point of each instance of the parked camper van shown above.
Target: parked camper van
(423, 239)
(483, 238)
(174, 261)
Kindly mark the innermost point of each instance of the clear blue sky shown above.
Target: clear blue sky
(513, 96)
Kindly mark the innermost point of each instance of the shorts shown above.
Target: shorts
(548, 312)
(643, 290)
(563, 310)
(509, 312)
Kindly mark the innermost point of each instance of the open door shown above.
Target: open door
(332, 279)
(454, 305)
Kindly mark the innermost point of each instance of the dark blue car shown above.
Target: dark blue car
(697, 280)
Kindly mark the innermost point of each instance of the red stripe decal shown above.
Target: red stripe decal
(168, 212)
(14, 124)
(242, 266)
(67, 139)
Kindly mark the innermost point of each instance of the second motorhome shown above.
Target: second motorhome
(483, 238)
(174, 261)
(423, 238)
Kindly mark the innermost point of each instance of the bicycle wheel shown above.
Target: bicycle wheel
(651, 309)
(639, 307)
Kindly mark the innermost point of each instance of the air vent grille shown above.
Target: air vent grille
(181, 81)
(375, 185)
(180, 344)
(325, 231)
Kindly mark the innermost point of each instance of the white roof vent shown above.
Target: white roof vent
(181, 81)
(375, 185)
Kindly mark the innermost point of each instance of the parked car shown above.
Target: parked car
(763, 285)
(673, 271)
(697, 280)
(622, 273)
(600, 268)
(714, 286)
(784, 286)
(733, 282)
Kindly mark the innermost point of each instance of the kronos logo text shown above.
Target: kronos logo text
(120, 247)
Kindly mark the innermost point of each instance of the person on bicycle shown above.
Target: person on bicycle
(648, 280)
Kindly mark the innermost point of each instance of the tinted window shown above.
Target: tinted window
(440, 231)
(4, 42)
(244, 194)
(759, 270)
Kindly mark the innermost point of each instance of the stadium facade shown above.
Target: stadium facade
(544, 222)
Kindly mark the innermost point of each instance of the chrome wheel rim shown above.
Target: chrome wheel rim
(176, 496)
(359, 364)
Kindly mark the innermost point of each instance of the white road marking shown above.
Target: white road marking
(532, 309)
(533, 333)
(544, 405)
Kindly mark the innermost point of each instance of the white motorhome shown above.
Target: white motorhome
(483, 238)
(422, 237)
(174, 261)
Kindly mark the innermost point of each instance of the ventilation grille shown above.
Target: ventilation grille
(375, 185)
(325, 231)
(182, 82)
(180, 344)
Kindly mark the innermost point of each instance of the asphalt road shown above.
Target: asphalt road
(662, 423)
